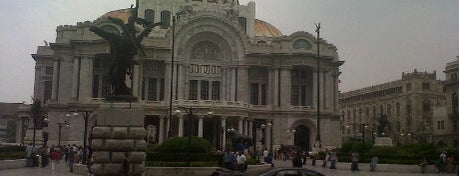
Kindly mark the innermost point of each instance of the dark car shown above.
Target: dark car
(289, 172)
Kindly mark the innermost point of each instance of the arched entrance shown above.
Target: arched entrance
(301, 138)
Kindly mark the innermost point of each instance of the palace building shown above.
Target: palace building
(407, 104)
(236, 73)
(446, 125)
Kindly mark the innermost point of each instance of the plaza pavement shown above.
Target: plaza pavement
(329, 172)
(60, 170)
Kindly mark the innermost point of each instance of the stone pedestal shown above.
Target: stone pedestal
(383, 141)
(120, 129)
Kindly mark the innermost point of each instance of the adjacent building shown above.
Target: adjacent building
(406, 103)
(446, 125)
(255, 81)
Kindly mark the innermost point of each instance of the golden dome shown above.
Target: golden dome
(122, 14)
(264, 29)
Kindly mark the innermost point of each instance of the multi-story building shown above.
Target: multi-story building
(256, 81)
(406, 103)
(447, 126)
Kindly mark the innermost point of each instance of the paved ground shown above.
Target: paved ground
(328, 172)
(61, 170)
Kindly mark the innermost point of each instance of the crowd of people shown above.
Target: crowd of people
(70, 153)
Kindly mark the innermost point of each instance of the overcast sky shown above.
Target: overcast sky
(377, 39)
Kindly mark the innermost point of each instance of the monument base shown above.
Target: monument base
(383, 142)
(120, 130)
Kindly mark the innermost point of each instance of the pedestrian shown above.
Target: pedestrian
(30, 153)
(241, 162)
(333, 159)
(44, 152)
(124, 168)
(296, 160)
(327, 157)
(373, 163)
(54, 158)
(71, 158)
(441, 162)
(355, 161)
(228, 160)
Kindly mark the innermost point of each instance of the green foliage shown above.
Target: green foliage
(406, 154)
(12, 152)
(180, 145)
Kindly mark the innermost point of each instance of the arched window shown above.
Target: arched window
(302, 43)
(166, 18)
(150, 15)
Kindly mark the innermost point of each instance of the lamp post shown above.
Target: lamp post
(318, 85)
(60, 125)
(362, 127)
(85, 134)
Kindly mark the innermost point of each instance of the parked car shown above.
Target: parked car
(278, 171)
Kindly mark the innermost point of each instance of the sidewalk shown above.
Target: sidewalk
(61, 170)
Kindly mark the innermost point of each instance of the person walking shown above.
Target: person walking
(373, 163)
(71, 158)
(228, 159)
(54, 158)
(327, 157)
(333, 159)
(30, 153)
(241, 162)
(355, 161)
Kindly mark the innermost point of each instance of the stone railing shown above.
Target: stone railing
(12, 164)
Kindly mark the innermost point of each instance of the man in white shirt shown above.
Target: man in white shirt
(241, 160)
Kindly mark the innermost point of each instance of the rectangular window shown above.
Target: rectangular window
(254, 93)
(95, 86)
(216, 90)
(295, 91)
(106, 86)
(303, 95)
(161, 90)
(204, 90)
(152, 89)
(48, 91)
(408, 87)
(263, 94)
(193, 90)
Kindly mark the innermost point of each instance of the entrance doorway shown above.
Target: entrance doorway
(302, 136)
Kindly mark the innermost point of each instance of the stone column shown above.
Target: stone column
(200, 126)
(181, 81)
(251, 127)
(120, 130)
(167, 83)
(136, 81)
(243, 84)
(86, 79)
(161, 129)
(246, 127)
(76, 66)
(285, 80)
(180, 127)
(240, 126)
(232, 84)
(223, 124)
(55, 80)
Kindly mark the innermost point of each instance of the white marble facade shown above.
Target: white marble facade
(245, 71)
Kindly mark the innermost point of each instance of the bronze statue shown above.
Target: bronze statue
(384, 125)
(123, 48)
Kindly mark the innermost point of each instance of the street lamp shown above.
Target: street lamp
(85, 134)
(60, 125)
(362, 127)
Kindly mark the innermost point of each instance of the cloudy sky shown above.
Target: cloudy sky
(378, 40)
